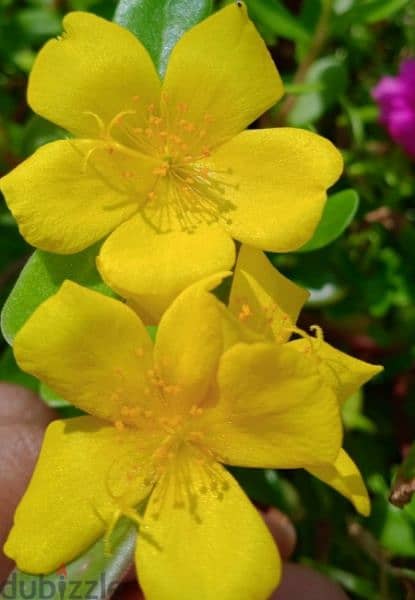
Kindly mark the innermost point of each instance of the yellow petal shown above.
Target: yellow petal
(218, 547)
(95, 68)
(277, 181)
(92, 350)
(345, 477)
(188, 346)
(262, 298)
(151, 269)
(219, 79)
(273, 410)
(344, 373)
(79, 482)
(71, 193)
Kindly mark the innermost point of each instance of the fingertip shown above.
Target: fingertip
(128, 591)
(23, 419)
(19, 447)
(282, 530)
(20, 405)
(299, 581)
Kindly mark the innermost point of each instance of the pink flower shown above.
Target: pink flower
(396, 99)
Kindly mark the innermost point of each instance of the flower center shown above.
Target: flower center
(187, 470)
(187, 191)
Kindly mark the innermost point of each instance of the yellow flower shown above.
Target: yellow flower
(170, 157)
(164, 420)
(267, 305)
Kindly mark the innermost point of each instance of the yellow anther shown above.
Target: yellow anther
(245, 312)
(148, 414)
(151, 196)
(204, 171)
(136, 98)
(139, 352)
(162, 171)
(130, 411)
(196, 410)
(119, 425)
(196, 436)
(172, 389)
(130, 475)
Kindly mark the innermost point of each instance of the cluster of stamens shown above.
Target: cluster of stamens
(181, 465)
(186, 192)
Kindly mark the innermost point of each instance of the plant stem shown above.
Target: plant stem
(317, 45)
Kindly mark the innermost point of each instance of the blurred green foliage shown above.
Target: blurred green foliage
(330, 54)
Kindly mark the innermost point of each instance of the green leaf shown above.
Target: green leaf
(278, 19)
(159, 24)
(41, 277)
(152, 331)
(330, 75)
(93, 575)
(338, 213)
(11, 373)
(393, 527)
(267, 487)
(38, 132)
(38, 24)
(353, 417)
(51, 398)
(367, 11)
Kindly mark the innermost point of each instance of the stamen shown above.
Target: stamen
(194, 194)
(245, 312)
(318, 331)
(99, 121)
(196, 411)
